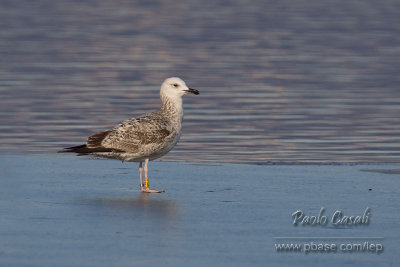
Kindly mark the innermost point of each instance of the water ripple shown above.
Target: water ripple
(281, 81)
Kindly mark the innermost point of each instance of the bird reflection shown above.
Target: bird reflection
(141, 205)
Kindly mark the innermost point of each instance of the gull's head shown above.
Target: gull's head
(176, 87)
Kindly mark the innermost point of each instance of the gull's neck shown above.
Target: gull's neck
(171, 108)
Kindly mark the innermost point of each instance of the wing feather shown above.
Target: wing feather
(131, 134)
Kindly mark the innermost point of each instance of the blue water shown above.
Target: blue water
(280, 81)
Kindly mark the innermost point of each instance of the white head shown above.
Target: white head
(175, 87)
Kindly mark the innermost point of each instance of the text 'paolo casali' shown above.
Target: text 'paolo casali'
(338, 218)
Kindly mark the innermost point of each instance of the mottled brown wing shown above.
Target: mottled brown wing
(131, 134)
(95, 140)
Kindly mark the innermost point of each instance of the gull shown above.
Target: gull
(144, 138)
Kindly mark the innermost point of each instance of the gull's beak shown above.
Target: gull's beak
(193, 91)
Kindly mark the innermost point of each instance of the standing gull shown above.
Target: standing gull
(145, 138)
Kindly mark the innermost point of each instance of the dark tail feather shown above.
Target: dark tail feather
(75, 149)
(84, 150)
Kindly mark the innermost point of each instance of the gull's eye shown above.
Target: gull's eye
(175, 85)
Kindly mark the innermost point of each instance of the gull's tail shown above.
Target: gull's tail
(82, 149)
(93, 145)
